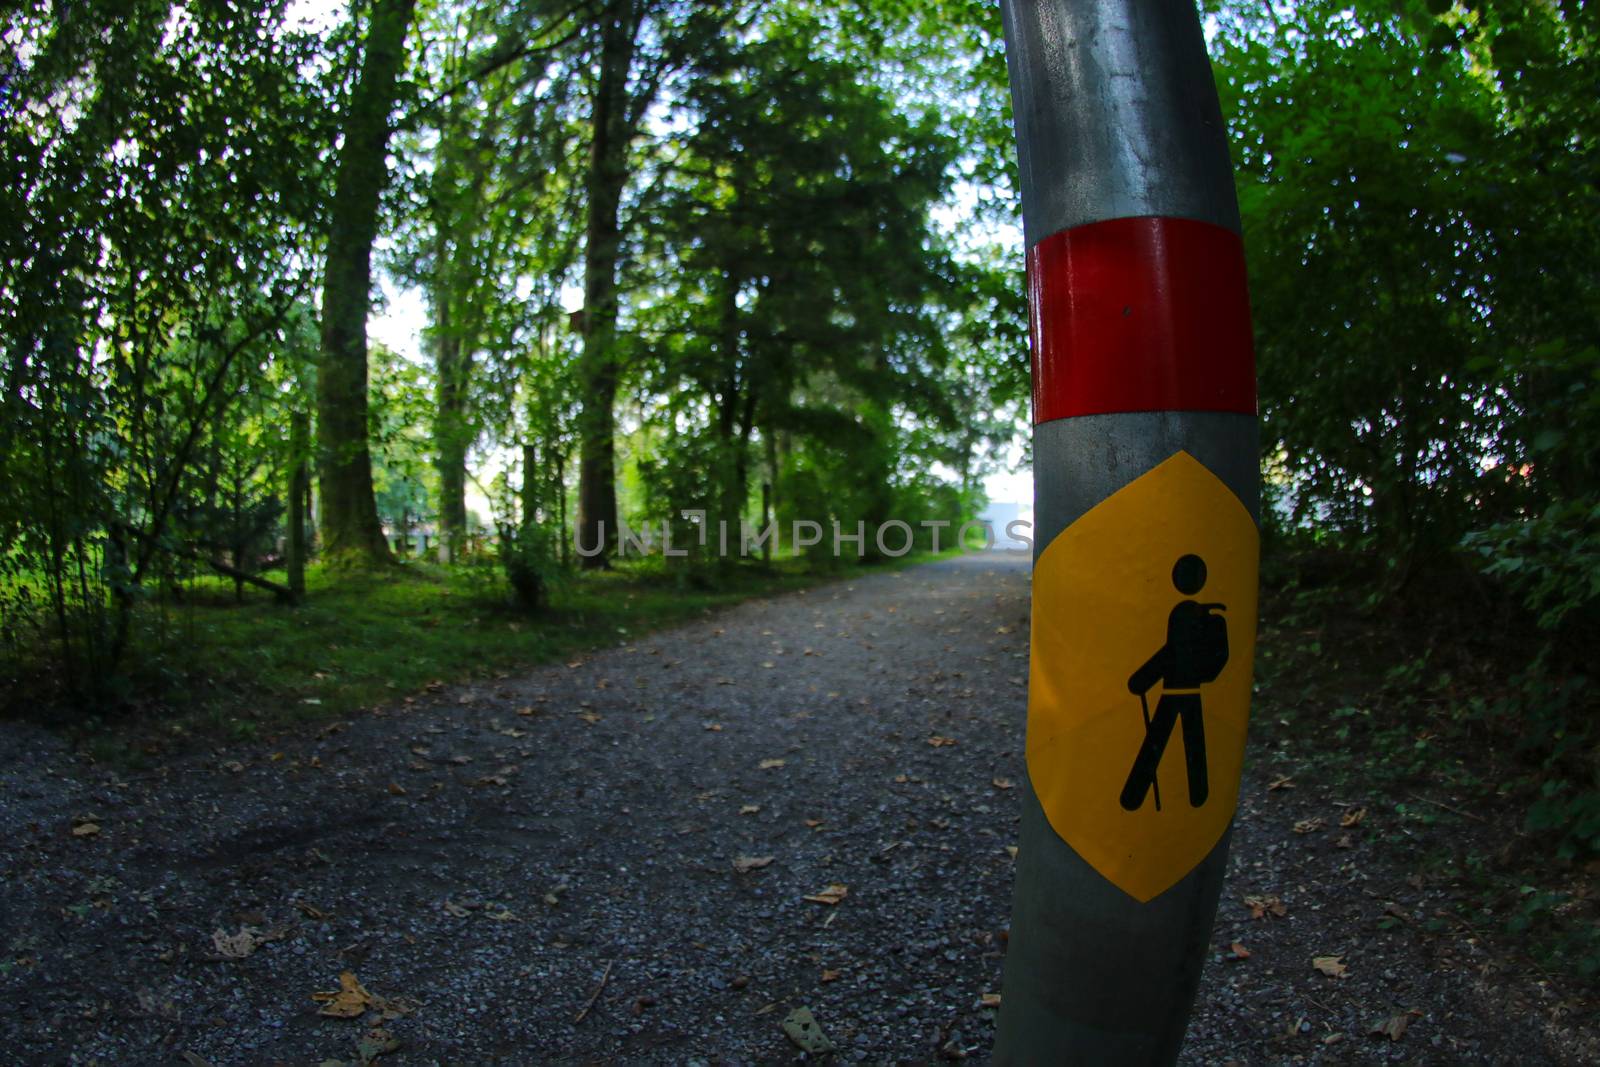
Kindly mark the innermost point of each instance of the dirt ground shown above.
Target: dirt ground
(638, 858)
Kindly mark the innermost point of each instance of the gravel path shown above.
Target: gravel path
(610, 860)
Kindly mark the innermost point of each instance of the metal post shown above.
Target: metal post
(1146, 504)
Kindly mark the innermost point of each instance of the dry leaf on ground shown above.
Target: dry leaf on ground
(349, 1001)
(1306, 826)
(989, 1000)
(237, 946)
(769, 764)
(1332, 966)
(749, 809)
(940, 741)
(746, 864)
(1261, 907)
(1394, 1027)
(1238, 951)
(1003, 783)
(1352, 818)
(800, 1026)
(831, 894)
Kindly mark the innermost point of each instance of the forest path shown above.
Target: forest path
(494, 862)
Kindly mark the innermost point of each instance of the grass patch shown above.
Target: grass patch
(1395, 700)
(212, 668)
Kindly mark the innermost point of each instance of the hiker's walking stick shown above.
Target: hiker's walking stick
(1155, 773)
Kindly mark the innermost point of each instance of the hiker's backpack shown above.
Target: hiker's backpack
(1211, 651)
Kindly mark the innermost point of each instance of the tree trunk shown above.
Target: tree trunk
(350, 528)
(451, 438)
(299, 475)
(598, 370)
(530, 483)
(561, 504)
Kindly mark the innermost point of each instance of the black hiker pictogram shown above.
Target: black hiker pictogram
(1195, 653)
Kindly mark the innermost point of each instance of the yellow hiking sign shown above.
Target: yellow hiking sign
(1144, 629)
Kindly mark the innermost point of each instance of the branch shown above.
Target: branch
(510, 56)
(283, 593)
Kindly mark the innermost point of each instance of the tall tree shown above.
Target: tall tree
(614, 118)
(350, 527)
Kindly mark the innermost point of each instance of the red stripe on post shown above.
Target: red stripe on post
(1140, 314)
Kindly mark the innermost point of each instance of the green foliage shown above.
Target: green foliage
(1424, 367)
(400, 415)
(152, 264)
(1551, 561)
(531, 557)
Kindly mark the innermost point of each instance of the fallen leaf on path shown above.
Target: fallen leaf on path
(504, 915)
(640, 1003)
(989, 1000)
(939, 741)
(1344, 841)
(831, 894)
(455, 909)
(901, 779)
(714, 727)
(770, 764)
(397, 789)
(1003, 783)
(1307, 826)
(1353, 818)
(237, 946)
(1332, 966)
(85, 829)
(1394, 1027)
(801, 1028)
(589, 717)
(813, 823)
(527, 711)
(746, 864)
(461, 761)
(1276, 784)
(749, 809)
(233, 766)
(1261, 907)
(490, 779)
(349, 1001)
(1239, 952)
(376, 1043)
